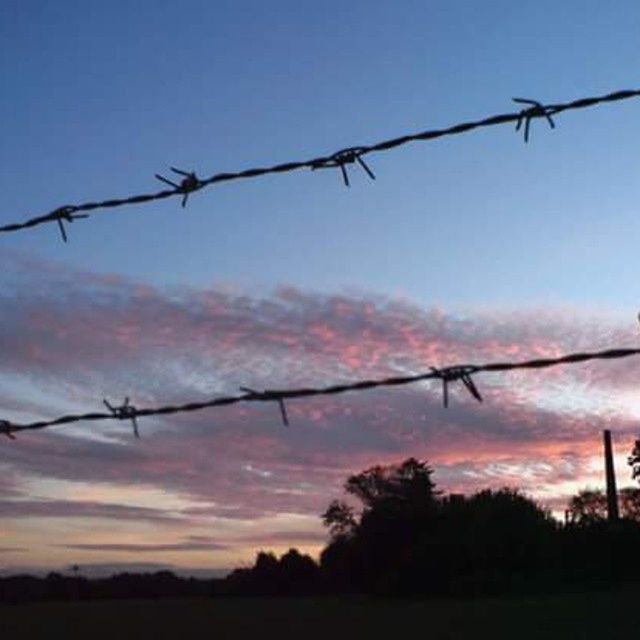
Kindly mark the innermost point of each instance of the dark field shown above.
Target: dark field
(603, 615)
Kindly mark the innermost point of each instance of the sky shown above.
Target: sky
(475, 248)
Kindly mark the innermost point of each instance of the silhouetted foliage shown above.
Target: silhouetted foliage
(588, 507)
(292, 574)
(410, 539)
(340, 519)
(55, 586)
(634, 460)
(408, 483)
(630, 503)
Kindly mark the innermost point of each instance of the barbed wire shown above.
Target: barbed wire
(340, 159)
(447, 375)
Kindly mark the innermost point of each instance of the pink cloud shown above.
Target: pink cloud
(78, 337)
(34, 508)
(147, 548)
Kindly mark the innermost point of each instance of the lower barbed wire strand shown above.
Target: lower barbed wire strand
(448, 373)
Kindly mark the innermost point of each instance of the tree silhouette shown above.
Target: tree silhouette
(340, 519)
(408, 483)
(634, 460)
(399, 503)
(409, 538)
(293, 573)
(588, 507)
(630, 503)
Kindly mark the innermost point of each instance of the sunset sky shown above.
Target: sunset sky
(471, 248)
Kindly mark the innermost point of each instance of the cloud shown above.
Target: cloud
(284, 536)
(207, 543)
(80, 509)
(69, 339)
(146, 548)
(97, 328)
(8, 483)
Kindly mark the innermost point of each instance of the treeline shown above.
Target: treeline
(55, 586)
(292, 574)
(406, 538)
(398, 535)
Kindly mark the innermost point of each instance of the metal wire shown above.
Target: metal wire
(449, 374)
(339, 159)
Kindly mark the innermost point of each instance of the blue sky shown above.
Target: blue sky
(102, 96)
(475, 247)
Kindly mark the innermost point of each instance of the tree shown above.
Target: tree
(293, 573)
(408, 483)
(634, 460)
(376, 549)
(297, 572)
(588, 507)
(266, 566)
(340, 519)
(630, 503)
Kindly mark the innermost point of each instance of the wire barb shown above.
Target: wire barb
(7, 429)
(125, 411)
(536, 110)
(453, 374)
(188, 184)
(342, 158)
(269, 395)
(66, 214)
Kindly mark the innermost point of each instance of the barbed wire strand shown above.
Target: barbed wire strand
(352, 155)
(449, 374)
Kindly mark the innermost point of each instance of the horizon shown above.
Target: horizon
(473, 248)
(93, 571)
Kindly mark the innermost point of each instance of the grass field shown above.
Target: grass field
(605, 615)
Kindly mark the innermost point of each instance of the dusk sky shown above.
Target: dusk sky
(473, 248)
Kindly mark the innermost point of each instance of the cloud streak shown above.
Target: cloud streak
(80, 509)
(146, 548)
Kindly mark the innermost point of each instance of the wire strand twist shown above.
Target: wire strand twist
(446, 374)
(340, 159)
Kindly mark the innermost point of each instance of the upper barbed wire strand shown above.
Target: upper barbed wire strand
(544, 111)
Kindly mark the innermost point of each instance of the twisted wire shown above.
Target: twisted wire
(455, 372)
(337, 159)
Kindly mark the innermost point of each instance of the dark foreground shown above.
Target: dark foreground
(604, 614)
